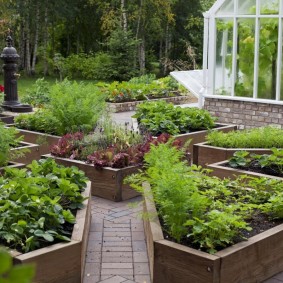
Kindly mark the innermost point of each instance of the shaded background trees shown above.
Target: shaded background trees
(99, 39)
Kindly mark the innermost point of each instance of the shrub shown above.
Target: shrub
(266, 137)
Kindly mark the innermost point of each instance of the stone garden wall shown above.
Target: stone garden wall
(245, 114)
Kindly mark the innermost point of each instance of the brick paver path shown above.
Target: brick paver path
(116, 249)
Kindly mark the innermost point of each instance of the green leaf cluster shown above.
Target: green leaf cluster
(161, 117)
(73, 107)
(211, 212)
(14, 274)
(8, 140)
(37, 201)
(141, 88)
(265, 137)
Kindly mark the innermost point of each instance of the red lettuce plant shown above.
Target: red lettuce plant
(133, 155)
(68, 145)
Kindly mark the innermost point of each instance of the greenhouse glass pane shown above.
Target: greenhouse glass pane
(245, 57)
(268, 43)
(224, 47)
(269, 7)
(226, 9)
(247, 7)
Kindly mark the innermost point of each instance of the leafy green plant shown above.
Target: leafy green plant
(209, 212)
(36, 203)
(273, 162)
(38, 95)
(161, 117)
(73, 107)
(9, 140)
(142, 88)
(23, 273)
(265, 137)
(239, 159)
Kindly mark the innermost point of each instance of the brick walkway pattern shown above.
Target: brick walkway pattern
(117, 248)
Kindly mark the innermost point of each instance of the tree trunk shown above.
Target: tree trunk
(142, 55)
(45, 40)
(28, 55)
(124, 16)
(167, 48)
(35, 40)
(22, 45)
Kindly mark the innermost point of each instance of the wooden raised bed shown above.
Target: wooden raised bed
(222, 171)
(204, 154)
(45, 141)
(198, 136)
(131, 105)
(12, 165)
(33, 154)
(106, 182)
(251, 261)
(63, 262)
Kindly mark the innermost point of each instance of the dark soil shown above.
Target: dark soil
(259, 223)
(272, 171)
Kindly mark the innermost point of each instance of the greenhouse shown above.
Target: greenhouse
(243, 50)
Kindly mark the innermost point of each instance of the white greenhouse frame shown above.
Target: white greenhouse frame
(209, 50)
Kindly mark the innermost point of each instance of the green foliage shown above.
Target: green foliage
(161, 117)
(73, 107)
(14, 274)
(211, 212)
(35, 203)
(122, 48)
(38, 95)
(141, 88)
(265, 137)
(273, 161)
(9, 140)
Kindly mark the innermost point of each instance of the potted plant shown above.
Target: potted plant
(183, 123)
(212, 230)
(221, 146)
(250, 164)
(50, 206)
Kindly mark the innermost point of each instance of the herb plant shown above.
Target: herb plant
(205, 211)
(37, 202)
(265, 137)
(161, 117)
(73, 107)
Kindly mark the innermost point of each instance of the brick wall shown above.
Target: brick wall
(245, 114)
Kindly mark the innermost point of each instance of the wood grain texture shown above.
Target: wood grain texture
(254, 260)
(63, 262)
(33, 153)
(107, 182)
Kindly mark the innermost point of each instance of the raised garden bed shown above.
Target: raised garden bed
(43, 140)
(131, 105)
(63, 262)
(204, 154)
(254, 260)
(7, 119)
(197, 136)
(12, 165)
(107, 182)
(33, 153)
(221, 170)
